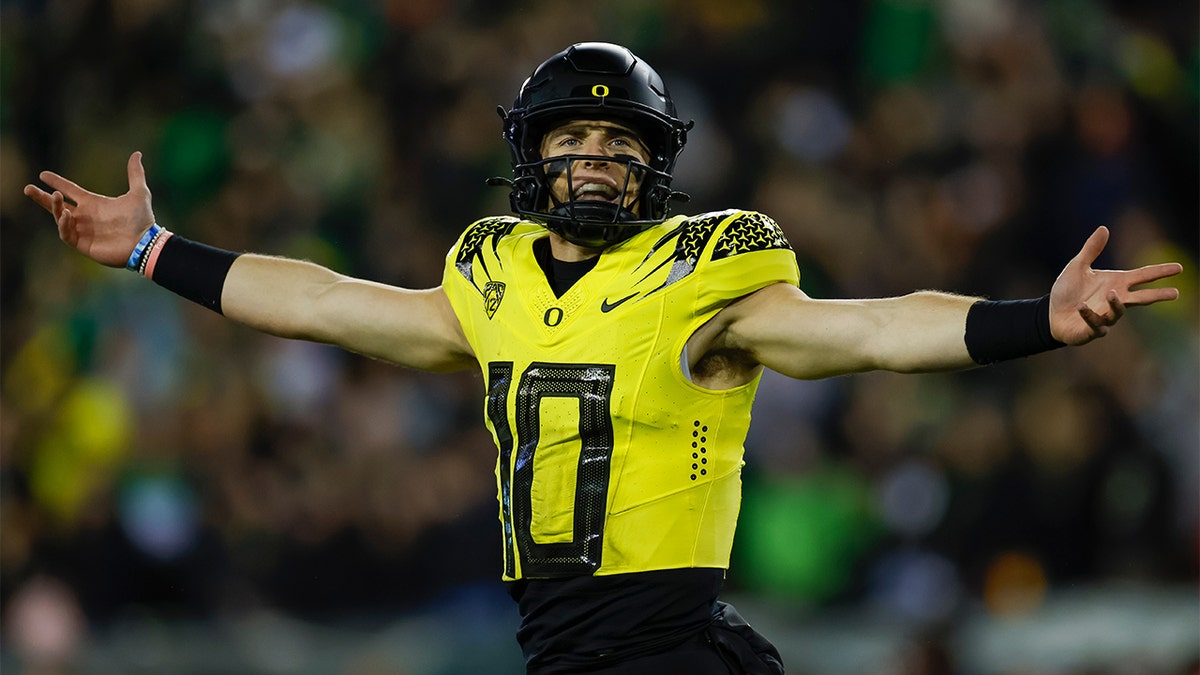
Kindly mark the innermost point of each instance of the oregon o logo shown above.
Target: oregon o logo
(553, 316)
(600, 90)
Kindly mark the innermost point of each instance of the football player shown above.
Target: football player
(620, 346)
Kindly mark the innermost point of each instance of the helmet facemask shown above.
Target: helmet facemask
(593, 81)
(585, 217)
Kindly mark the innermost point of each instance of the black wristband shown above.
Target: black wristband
(194, 271)
(998, 330)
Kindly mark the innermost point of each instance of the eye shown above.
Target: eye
(628, 146)
(629, 143)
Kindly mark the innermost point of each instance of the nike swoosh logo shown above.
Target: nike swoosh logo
(606, 306)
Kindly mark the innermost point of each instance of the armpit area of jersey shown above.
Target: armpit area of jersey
(576, 624)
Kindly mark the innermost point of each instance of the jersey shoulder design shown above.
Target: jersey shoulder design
(485, 233)
(727, 253)
(748, 232)
(683, 246)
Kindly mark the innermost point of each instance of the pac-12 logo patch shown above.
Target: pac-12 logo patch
(493, 293)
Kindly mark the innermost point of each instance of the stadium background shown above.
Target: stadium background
(180, 494)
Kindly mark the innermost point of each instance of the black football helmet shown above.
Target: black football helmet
(593, 80)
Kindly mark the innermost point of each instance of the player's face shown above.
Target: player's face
(594, 179)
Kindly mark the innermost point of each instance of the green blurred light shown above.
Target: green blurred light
(898, 41)
(194, 154)
(799, 538)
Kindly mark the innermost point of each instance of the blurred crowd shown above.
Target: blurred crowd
(155, 458)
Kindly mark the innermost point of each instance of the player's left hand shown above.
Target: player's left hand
(1084, 302)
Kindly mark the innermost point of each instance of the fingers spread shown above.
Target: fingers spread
(66, 229)
(1097, 322)
(1151, 273)
(137, 173)
(68, 188)
(1093, 246)
(40, 196)
(1116, 308)
(1149, 296)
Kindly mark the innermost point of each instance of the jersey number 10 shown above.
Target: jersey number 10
(592, 385)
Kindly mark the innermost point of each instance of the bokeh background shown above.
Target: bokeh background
(183, 495)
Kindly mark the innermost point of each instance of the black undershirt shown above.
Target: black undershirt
(561, 274)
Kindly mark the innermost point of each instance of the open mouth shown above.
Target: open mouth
(595, 192)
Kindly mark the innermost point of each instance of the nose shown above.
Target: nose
(595, 146)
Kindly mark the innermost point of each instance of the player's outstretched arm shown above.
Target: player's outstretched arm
(302, 300)
(787, 331)
(289, 298)
(783, 329)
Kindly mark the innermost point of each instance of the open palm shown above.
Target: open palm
(105, 229)
(1084, 302)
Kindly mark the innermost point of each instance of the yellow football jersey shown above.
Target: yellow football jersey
(611, 459)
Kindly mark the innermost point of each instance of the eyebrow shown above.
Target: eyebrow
(609, 127)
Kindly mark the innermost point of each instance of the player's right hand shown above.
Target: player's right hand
(105, 229)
